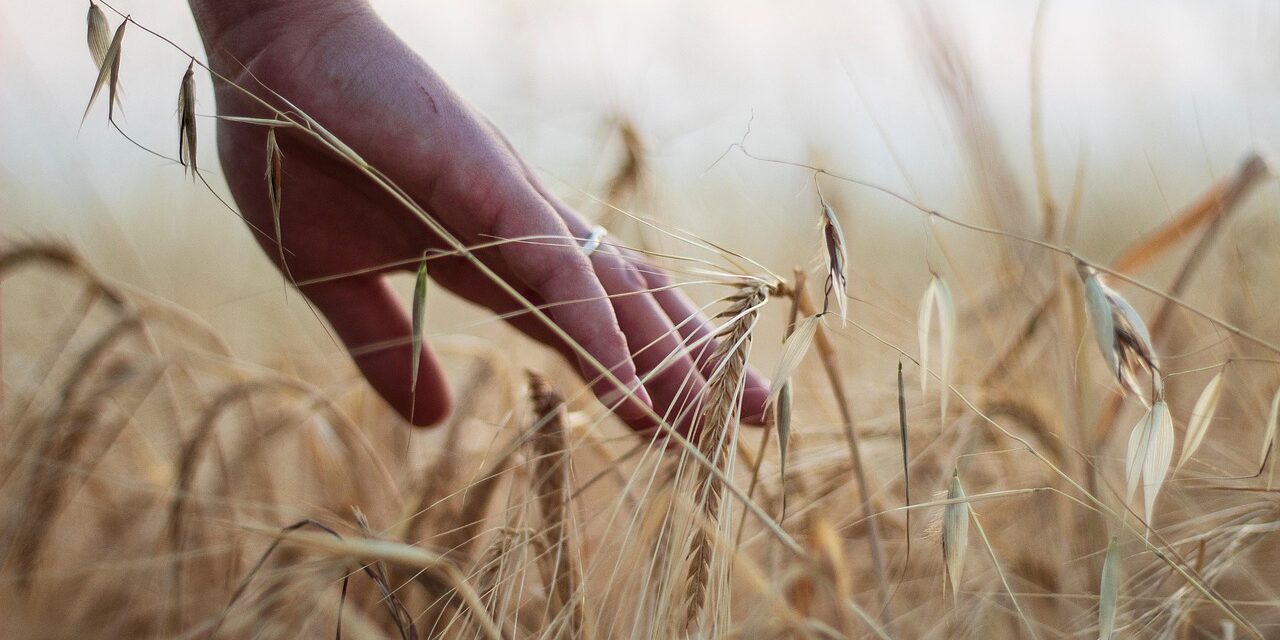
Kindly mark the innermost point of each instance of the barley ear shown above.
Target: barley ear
(1201, 416)
(108, 74)
(187, 119)
(955, 533)
(98, 38)
(1109, 591)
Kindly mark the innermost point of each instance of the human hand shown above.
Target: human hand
(342, 65)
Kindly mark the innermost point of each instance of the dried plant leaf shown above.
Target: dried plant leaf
(955, 533)
(837, 263)
(419, 309)
(108, 74)
(99, 41)
(1109, 591)
(187, 119)
(1148, 456)
(793, 350)
(1201, 416)
(937, 295)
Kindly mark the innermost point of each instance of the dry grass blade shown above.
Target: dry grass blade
(937, 295)
(906, 467)
(108, 74)
(1148, 456)
(419, 311)
(187, 118)
(1122, 336)
(1109, 591)
(99, 40)
(1201, 417)
(837, 263)
(1269, 437)
(955, 533)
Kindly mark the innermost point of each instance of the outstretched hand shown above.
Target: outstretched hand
(342, 65)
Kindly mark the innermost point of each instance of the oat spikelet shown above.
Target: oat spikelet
(551, 470)
(716, 431)
(837, 263)
(1148, 456)
(108, 74)
(1109, 591)
(187, 119)
(955, 533)
(1122, 336)
(938, 295)
(98, 38)
(1201, 417)
(419, 311)
(793, 350)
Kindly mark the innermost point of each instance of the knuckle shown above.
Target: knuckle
(482, 197)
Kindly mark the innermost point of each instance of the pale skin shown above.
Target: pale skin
(342, 65)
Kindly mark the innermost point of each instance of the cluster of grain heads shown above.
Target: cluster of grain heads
(187, 118)
(107, 59)
(1121, 334)
(938, 296)
(1109, 591)
(837, 263)
(955, 533)
(1148, 456)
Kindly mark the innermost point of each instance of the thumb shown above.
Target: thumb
(377, 331)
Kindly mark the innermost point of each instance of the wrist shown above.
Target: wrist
(241, 28)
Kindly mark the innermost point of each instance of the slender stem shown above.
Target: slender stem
(827, 353)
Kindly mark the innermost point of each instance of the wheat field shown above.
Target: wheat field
(1038, 399)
